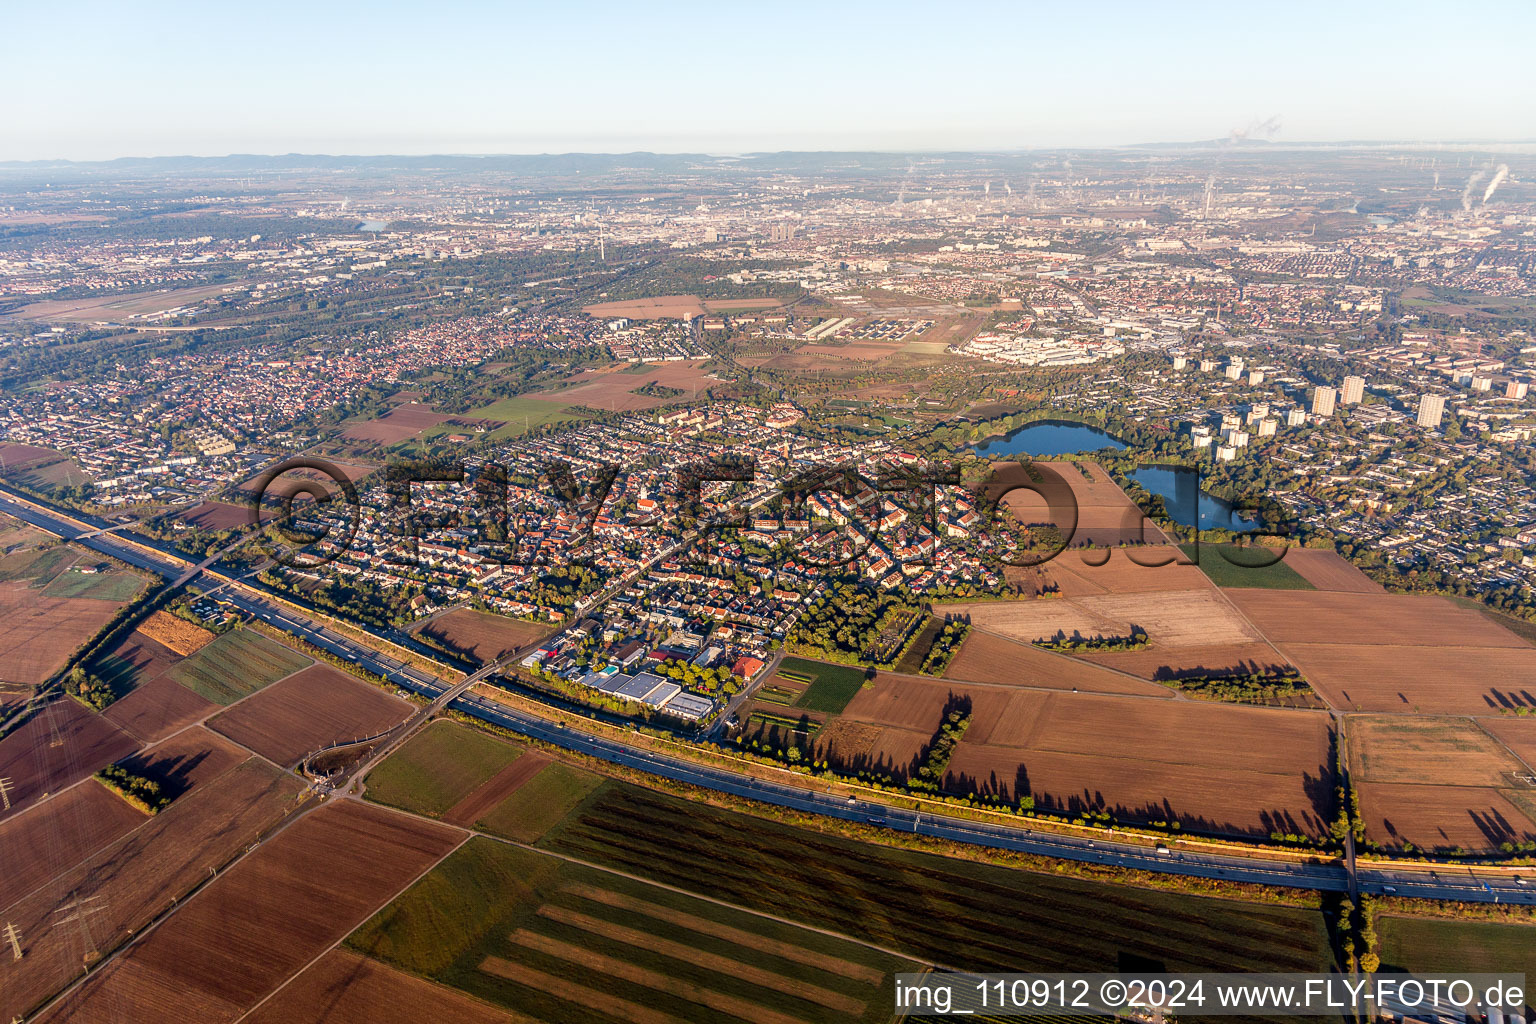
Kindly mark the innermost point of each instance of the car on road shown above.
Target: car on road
(1521, 881)
(1389, 888)
(875, 821)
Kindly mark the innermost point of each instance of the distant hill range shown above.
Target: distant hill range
(822, 163)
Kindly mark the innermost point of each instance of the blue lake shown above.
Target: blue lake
(1050, 437)
(1180, 490)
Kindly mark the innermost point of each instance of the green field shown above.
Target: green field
(521, 415)
(563, 942)
(832, 686)
(540, 803)
(1423, 945)
(236, 665)
(438, 767)
(38, 565)
(1251, 572)
(776, 695)
(956, 912)
(102, 586)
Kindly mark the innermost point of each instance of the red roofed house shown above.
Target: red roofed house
(747, 666)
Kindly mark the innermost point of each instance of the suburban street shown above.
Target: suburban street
(1181, 857)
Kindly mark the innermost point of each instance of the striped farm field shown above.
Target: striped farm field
(557, 941)
(954, 912)
(236, 665)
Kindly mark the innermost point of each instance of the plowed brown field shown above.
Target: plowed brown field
(310, 709)
(344, 988)
(300, 892)
(985, 658)
(136, 877)
(1442, 817)
(1325, 570)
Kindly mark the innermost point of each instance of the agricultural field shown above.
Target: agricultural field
(48, 608)
(538, 804)
(987, 658)
(158, 708)
(345, 988)
(1447, 751)
(216, 516)
(1399, 653)
(177, 634)
(1221, 768)
(615, 390)
(1525, 629)
(438, 767)
(312, 708)
(401, 422)
(660, 307)
(1446, 818)
(116, 587)
(483, 637)
(1171, 619)
(1439, 782)
(287, 485)
(563, 942)
(520, 415)
(1426, 680)
(58, 745)
(1518, 734)
(1161, 664)
(43, 473)
(236, 665)
(1423, 945)
(38, 633)
(38, 842)
(779, 728)
(19, 458)
(1325, 570)
(298, 893)
(920, 645)
(1386, 619)
(191, 758)
(138, 659)
(917, 702)
(137, 876)
(1143, 570)
(828, 688)
(960, 913)
(495, 790)
(1228, 565)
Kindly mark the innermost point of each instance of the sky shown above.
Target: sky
(94, 80)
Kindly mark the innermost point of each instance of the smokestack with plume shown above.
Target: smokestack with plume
(1466, 193)
(1498, 179)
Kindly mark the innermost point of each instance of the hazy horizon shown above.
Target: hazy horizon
(475, 78)
(1448, 145)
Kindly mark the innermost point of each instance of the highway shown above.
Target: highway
(1180, 856)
